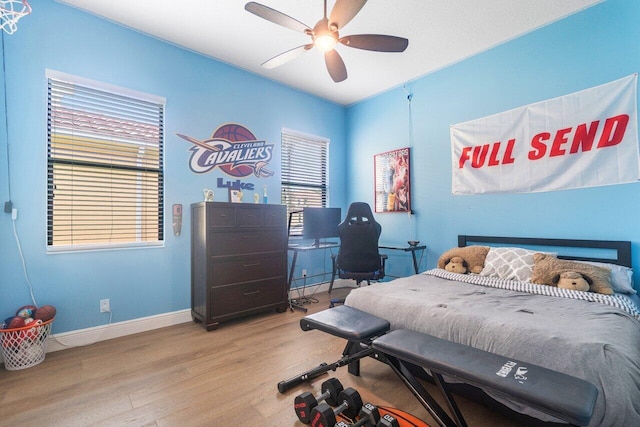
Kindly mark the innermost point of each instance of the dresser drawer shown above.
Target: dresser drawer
(237, 298)
(246, 242)
(248, 268)
(248, 217)
(275, 216)
(221, 216)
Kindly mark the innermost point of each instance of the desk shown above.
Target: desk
(303, 248)
(411, 249)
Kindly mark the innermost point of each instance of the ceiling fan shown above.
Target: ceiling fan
(325, 37)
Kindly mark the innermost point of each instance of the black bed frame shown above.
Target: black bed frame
(622, 248)
(353, 353)
(623, 257)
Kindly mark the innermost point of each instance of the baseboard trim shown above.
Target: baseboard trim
(88, 336)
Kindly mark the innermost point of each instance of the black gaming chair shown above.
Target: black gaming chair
(358, 257)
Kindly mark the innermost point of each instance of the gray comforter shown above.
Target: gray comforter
(589, 340)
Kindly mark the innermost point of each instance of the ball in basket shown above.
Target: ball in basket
(33, 332)
(13, 322)
(26, 311)
(46, 312)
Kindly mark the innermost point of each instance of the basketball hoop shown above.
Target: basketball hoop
(10, 12)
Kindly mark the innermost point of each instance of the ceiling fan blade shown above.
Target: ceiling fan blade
(335, 66)
(276, 17)
(287, 56)
(344, 11)
(376, 42)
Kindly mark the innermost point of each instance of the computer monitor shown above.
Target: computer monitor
(320, 223)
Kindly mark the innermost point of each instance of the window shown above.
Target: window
(304, 175)
(105, 166)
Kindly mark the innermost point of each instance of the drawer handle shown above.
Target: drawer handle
(246, 294)
(250, 237)
(251, 265)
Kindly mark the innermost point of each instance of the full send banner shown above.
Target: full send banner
(585, 139)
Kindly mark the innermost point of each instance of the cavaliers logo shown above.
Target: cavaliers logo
(233, 149)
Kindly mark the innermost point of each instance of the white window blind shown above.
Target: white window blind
(304, 175)
(105, 168)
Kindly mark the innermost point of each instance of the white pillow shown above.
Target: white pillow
(621, 277)
(509, 263)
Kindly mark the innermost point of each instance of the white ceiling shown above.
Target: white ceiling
(440, 33)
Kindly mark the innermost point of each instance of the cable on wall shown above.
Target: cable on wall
(6, 120)
(24, 264)
(95, 340)
(409, 99)
(409, 92)
(9, 205)
(14, 213)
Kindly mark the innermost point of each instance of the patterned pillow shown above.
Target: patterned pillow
(509, 263)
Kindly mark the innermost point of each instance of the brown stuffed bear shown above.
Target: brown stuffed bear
(473, 255)
(547, 267)
(457, 265)
(572, 280)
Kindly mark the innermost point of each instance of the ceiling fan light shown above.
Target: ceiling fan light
(325, 42)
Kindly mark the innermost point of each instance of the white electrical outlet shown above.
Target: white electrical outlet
(105, 306)
(304, 272)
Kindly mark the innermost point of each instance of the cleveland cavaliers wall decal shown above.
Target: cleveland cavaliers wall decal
(233, 149)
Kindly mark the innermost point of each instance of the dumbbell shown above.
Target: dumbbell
(388, 420)
(325, 416)
(304, 403)
(368, 417)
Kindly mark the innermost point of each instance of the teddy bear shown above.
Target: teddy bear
(572, 280)
(548, 269)
(473, 255)
(457, 265)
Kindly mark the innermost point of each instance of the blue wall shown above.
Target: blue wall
(201, 94)
(593, 47)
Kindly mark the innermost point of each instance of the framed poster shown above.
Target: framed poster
(392, 181)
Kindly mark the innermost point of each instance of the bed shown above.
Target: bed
(591, 336)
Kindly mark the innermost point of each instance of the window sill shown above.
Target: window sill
(61, 249)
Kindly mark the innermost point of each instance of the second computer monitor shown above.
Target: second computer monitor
(320, 223)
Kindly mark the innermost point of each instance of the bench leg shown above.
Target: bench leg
(333, 272)
(351, 349)
(351, 356)
(453, 406)
(423, 396)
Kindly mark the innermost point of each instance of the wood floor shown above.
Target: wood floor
(184, 376)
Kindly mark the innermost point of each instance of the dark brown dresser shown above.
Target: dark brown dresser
(238, 260)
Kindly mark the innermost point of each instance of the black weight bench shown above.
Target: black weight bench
(355, 326)
(411, 353)
(567, 398)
